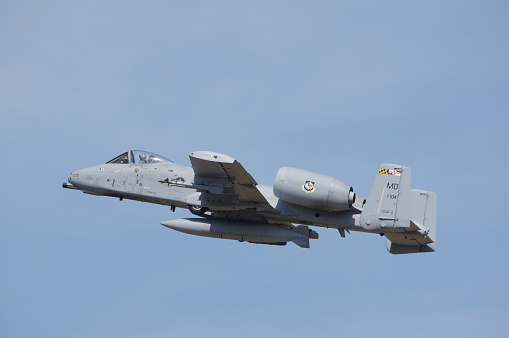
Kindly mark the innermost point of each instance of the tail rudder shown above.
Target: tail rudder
(388, 203)
(407, 217)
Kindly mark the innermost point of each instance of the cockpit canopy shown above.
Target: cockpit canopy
(138, 157)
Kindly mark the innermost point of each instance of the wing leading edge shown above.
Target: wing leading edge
(228, 178)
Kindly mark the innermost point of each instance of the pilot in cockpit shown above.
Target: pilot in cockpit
(143, 158)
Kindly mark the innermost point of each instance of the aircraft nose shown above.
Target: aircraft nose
(78, 178)
(86, 180)
(72, 179)
(74, 175)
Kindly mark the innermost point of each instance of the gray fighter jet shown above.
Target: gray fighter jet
(232, 205)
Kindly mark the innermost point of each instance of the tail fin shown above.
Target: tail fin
(388, 203)
(422, 235)
(407, 217)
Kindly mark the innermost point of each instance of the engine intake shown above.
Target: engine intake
(313, 190)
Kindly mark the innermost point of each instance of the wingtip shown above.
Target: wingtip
(212, 156)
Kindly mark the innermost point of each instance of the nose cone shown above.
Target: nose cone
(74, 177)
(83, 178)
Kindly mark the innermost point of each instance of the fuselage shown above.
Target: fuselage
(134, 176)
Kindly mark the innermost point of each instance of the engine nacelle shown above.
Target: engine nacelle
(313, 190)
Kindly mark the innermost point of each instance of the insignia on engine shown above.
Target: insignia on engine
(309, 186)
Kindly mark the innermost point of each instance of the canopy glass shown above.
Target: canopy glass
(138, 157)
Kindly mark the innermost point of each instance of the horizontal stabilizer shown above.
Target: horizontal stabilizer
(422, 234)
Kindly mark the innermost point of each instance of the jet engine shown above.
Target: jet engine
(313, 190)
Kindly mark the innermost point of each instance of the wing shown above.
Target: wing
(225, 185)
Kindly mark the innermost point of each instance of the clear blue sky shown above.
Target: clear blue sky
(335, 87)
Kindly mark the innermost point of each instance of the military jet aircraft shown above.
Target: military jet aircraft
(232, 205)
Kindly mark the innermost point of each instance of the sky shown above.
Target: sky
(335, 87)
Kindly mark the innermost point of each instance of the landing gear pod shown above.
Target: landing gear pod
(313, 190)
(197, 210)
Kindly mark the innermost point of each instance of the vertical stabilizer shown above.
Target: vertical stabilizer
(388, 203)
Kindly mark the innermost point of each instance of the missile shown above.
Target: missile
(243, 231)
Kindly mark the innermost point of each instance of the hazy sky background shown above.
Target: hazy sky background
(335, 87)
